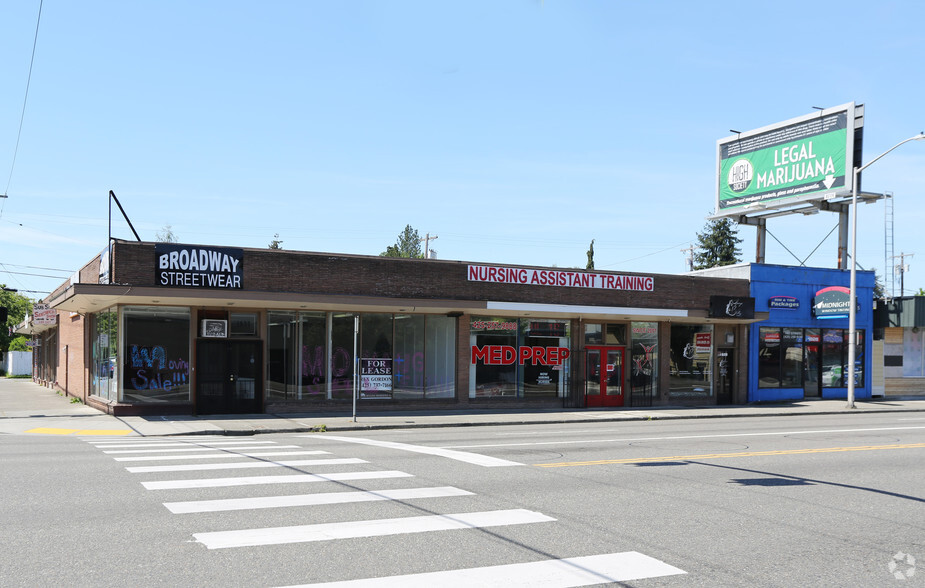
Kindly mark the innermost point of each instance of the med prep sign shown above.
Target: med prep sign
(507, 355)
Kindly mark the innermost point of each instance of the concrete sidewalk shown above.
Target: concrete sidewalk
(28, 408)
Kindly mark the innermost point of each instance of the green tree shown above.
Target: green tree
(20, 344)
(717, 245)
(276, 243)
(408, 244)
(17, 306)
(165, 235)
(590, 265)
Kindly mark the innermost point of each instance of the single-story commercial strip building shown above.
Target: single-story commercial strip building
(167, 328)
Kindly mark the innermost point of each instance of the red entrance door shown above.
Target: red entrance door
(604, 377)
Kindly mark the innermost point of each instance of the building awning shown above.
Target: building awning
(91, 298)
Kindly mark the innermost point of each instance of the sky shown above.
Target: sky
(513, 131)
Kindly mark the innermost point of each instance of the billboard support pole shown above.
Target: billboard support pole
(852, 298)
(761, 239)
(843, 238)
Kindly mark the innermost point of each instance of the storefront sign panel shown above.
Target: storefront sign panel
(508, 355)
(784, 302)
(740, 307)
(199, 267)
(832, 302)
(560, 278)
(42, 314)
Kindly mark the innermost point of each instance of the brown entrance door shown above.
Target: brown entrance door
(229, 377)
(604, 377)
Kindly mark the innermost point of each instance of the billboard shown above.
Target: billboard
(805, 158)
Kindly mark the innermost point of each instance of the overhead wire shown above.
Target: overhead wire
(22, 115)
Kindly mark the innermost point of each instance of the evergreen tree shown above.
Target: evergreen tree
(276, 243)
(408, 244)
(165, 235)
(16, 306)
(590, 265)
(717, 245)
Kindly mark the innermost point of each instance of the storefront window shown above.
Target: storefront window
(594, 334)
(691, 361)
(282, 351)
(494, 375)
(376, 356)
(791, 358)
(342, 364)
(615, 335)
(644, 379)
(769, 357)
(524, 359)
(104, 379)
(408, 358)
(440, 362)
(157, 354)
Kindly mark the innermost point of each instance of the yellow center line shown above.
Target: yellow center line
(723, 455)
(52, 431)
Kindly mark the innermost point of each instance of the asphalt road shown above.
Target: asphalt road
(812, 501)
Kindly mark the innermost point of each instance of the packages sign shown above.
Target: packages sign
(786, 163)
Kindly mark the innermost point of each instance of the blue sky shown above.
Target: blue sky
(514, 130)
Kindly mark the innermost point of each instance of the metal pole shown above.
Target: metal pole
(852, 298)
(356, 363)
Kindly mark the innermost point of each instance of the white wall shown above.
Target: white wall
(17, 363)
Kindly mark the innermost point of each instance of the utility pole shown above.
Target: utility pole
(902, 268)
(426, 240)
(689, 258)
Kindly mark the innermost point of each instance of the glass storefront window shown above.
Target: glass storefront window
(791, 357)
(156, 355)
(691, 360)
(594, 334)
(312, 362)
(408, 358)
(104, 379)
(376, 356)
(282, 355)
(440, 357)
(644, 379)
(769, 357)
(615, 335)
(342, 364)
(518, 358)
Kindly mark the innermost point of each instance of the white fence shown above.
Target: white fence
(16, 363)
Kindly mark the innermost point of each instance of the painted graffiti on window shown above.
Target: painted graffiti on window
(154, 371)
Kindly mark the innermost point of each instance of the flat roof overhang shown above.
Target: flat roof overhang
(90, 298)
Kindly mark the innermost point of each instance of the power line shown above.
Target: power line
(22, 116)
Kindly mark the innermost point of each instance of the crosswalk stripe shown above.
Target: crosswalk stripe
(554, 573)
(374, 528)
(473, 458)
(260, 480)
(225, 455)
(175, 444)
(243, 465)
(195, 449)
(227, 504)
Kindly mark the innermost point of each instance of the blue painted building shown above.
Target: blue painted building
(801, 350)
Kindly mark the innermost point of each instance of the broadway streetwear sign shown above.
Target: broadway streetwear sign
(199, 267)
(786, 162)
(565, 278)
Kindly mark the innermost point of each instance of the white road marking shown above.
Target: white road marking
(676, 438)
(375, 528)
(243, 465)
(174, 444)
(225, 455)
(311, 499)
(260, 480)
(554, 573)
(473, 458)
(194, 449)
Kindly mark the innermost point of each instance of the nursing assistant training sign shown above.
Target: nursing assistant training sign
(198, 267)
(567, 278)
